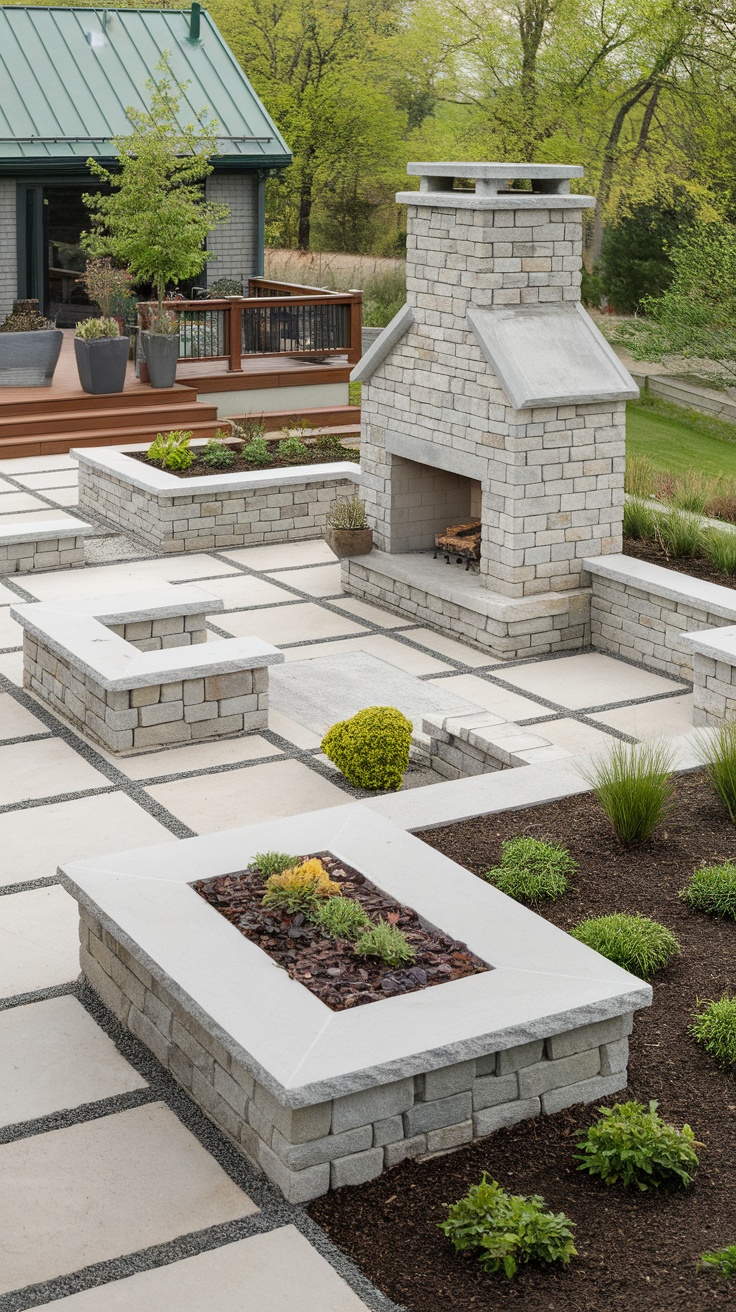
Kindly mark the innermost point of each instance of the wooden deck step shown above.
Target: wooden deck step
(52, 402)
(37, 444)
(121, 419)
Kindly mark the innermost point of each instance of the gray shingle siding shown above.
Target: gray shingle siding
(235, 243)
(8, 259)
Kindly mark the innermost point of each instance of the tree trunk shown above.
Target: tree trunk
(593, 253)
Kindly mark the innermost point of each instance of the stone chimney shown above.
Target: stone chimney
(492, 395)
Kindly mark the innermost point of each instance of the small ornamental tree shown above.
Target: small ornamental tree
(156, 219)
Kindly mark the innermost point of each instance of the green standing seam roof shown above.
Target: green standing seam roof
(67, 76)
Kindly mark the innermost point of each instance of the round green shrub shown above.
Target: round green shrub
(372, 748)
(714, 1028)
(635, 943)
(632, 1146)
(531, 870)
(712, 889)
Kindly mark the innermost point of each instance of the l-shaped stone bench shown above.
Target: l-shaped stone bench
(43, 544)
(135, 672)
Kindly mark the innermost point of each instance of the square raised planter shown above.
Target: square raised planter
(320, 1098)
(214, 511)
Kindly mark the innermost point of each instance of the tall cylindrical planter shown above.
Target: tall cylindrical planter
(161, 353)
(29, 359)
(102, 364)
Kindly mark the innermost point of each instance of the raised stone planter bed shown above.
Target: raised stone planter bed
(137, 671)
(321, 1098)
(214, 511)
(43, 544)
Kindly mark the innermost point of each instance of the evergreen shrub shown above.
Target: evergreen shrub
(372, 748)
(712, 889)
(634, 943)
(531, 870)
(714, 1028)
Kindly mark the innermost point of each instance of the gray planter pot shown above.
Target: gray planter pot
(349, 541)
(102, 364)
(29, 359)
(161, 354)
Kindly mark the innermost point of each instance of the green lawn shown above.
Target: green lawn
(679, 444)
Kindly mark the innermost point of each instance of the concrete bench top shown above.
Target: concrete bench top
(75, 631)
(712, 597)
(44, 530)
(719, 644)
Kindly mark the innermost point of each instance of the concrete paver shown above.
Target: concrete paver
(39, 940)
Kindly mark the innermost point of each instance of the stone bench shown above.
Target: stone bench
(43, 544)
(476, 743)
(714, 674)
(137, 671)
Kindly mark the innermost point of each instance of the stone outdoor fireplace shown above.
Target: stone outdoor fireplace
(492, 396)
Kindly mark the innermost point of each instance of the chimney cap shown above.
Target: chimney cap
(502, 172)
(550, 186)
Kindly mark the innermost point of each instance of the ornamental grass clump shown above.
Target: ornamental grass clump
(372, 748)
(507, 1231)
(717, 752)
(634, 943)
(680, 533)
(712, 889)
(720, 548)
(273, 863)
(171, 450)
(714, 1028)
(388, 943)
(342, 917)
(640, 519)
(633, 783)
(95, 330)
(531, 870)
(634, 1147)
(347, 512)
(723, 1259)
(300, 888)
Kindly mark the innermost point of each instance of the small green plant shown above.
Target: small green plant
(300, 888)
(292, 448)
(217, 454)
(635, 943)
(712, 889)
(372, 748)
(94, 330)
(717, 752)
(723, 1259)
(506, 1231)
(640, 519)
(329, 445)
(246, 429)
(342, 917)
(633, 783)
(531, 870)
(640, 477)
(632, 1146)
(257, 451)
(171, 450)
(387, 942)
(714, 1028)
(719, 546)
(347, 512)
(273, 863)
(680, 534)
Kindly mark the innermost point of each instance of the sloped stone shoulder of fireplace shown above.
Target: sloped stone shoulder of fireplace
(320, 1099)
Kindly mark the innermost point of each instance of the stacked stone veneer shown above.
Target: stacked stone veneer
(481, 742)
(45, 545)
(714, 689)
(348, 1140)
(279, 510)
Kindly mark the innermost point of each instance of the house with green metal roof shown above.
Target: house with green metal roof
(67, 76)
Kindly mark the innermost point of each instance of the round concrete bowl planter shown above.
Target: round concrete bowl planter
(349, 541)
(102, 363)
(161, 353)
(29, 359)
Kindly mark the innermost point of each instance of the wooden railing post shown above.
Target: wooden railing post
(355, 331)
(235, 335)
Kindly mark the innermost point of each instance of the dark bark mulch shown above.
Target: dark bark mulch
(329, 967)
(636, 1252)
(242, 466)
(696, 566)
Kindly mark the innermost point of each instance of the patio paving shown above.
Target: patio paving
(117, 1193)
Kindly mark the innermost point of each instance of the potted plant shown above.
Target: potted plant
(102, 355)
(347, 532)
(160, 347)
(29, 347)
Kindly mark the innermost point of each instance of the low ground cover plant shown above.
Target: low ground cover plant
(635, 943)
(630, 1145)
(291, 447)
(633, 783)
(299, 888)
(171, 450)
(342, 917)
(723, 1259)
(712, 889)
(217, 453)
(531, 870)
(387, 942)
(256, 451)
(506, 1231)
(717, 752)
(372, 748)
(714, 1028)
(273, 863)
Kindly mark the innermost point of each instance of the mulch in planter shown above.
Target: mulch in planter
(637, 1252)
(328, 967)
(697, 567)
(242, 466)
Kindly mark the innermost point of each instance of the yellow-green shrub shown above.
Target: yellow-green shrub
(372, 748)
(300, 888)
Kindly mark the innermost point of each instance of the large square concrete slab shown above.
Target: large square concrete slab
(113, 580)
(12, 502)
(320, 691)
(44, 769)
(299, 623)
(39, 941)
(94, 1191)
(665, 718)
(482, 692)
(275, 1272)
(34, 842)
(237, 590)
(573, 735)
(258, 792)
(11, 634)
(15, 720)
(282, 555)
(55, 1057)
(195, 756)
(318, 581)
(590, 679)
